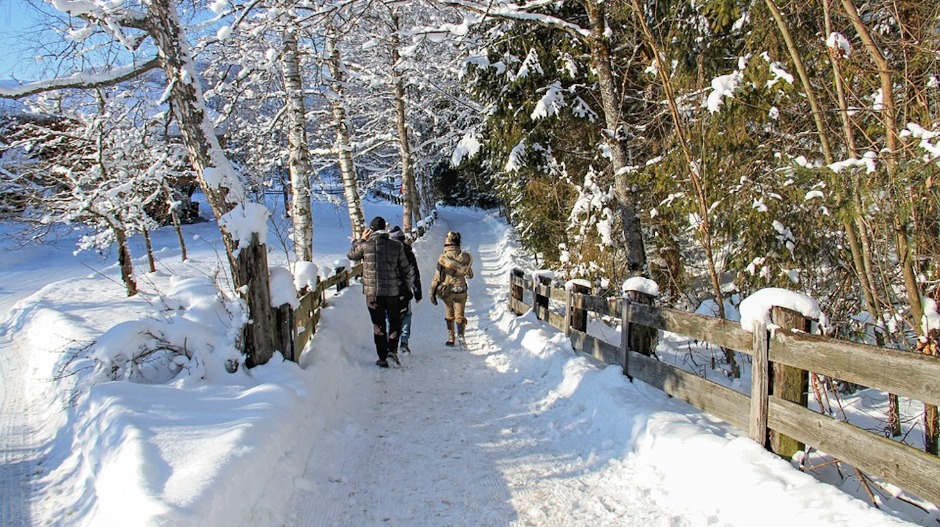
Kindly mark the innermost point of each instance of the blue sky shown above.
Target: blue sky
(17, 20)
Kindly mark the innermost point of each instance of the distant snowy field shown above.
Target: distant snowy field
(206, 448)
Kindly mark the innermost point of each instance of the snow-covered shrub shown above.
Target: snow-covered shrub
(193, 331)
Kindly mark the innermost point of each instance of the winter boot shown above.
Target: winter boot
(450, 333)
(460, 328)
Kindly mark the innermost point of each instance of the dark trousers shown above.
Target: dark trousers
(382, 308)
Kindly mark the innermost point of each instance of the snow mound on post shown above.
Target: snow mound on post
(283, 290)
(305, 276)
(757, 307)
(641, 285)
(245, 220)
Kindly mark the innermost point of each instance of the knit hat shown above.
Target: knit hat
(396, 234)
(452, 238)
(378, 223)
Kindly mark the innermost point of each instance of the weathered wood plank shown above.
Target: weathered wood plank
(593, 304)
(518, 307)
(723, 403)
(760, 385)
(341, 276)
(558, 295)
(914, 471)
(557, 320)
(708, 329)
(595, 347)
(903, 373)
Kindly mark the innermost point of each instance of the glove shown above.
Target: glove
(417, 295)
(434, 299)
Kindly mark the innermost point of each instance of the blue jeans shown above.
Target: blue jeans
(406, 323)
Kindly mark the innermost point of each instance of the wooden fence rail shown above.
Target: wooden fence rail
(307, 315)
(761, 413)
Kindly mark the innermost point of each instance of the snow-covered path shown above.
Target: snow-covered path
(25, 270)
(453, 438)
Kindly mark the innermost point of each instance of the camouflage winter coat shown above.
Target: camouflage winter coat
(384, 264)
(453, 270)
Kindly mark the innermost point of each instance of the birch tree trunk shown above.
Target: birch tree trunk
(216, 176)
(409, 195)
(343, 142)
(299, 154)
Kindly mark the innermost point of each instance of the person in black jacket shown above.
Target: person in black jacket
(407, 292)
(384, 268)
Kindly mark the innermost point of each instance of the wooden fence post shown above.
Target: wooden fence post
(344, 282)
(515, 290)
(760, 384)
(539, 301)
(285, 331)
(642, 339)
(625, 336)
(575, 318)
(791, 384)
(259, 339)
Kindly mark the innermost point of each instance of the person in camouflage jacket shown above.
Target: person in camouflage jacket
(450, 285)
(384, 267)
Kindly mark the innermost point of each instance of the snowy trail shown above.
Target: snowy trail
(26, 270)
(19, 449)
(499, 466)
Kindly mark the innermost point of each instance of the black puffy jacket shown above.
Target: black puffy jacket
(384, 264)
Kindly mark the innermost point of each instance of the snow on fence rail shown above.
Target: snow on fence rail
(765, 413)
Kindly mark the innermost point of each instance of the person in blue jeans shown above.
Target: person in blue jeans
(406, 294)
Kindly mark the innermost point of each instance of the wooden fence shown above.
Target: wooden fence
(307, 315)
(765, 412)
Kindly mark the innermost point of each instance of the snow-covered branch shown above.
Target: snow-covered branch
(517, 12)
(81, 80)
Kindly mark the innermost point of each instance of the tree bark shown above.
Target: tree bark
(222, 188)
(401, 124)
(343, 142)
(610, 101)
(299, 154)
(148, 243)
(125, 260)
